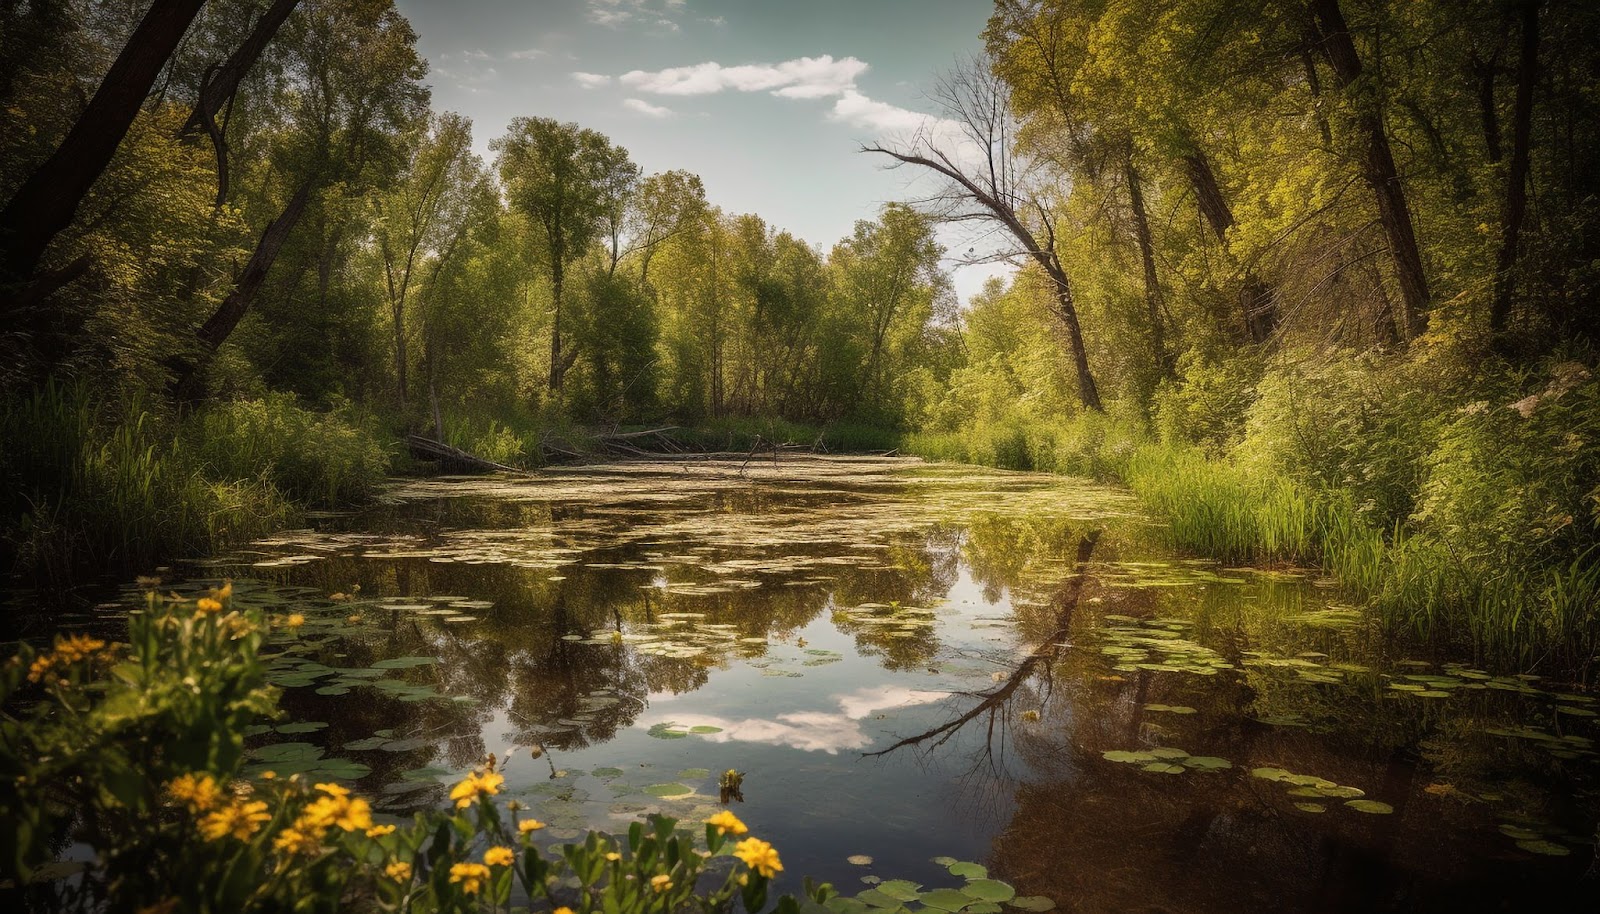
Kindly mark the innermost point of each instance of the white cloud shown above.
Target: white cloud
(617, 13)
(809, 731)
(591, 80)
(857, 110)
(645, 108)
(609, 18)
(802, 77)
(529, 54)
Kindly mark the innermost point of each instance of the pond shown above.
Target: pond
(908, 662)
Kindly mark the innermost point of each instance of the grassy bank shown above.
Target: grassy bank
(102, 485)
(1465, 525)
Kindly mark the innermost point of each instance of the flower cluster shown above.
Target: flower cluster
(484, 783)
(335, 808)
(68, 650)
(759, 856)
(238, 817)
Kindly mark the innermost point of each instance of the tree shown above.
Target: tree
(422, 219)
(46, 202)
(566, 179)
(987, 181)
(1378, 167)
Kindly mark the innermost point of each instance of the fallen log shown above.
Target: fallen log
(454, 457)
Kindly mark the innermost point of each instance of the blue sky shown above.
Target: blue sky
(766, 100)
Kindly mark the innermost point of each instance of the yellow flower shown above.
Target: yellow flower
(562, 911)
(199, 792)
(40, 666)
(499, 856)
(77, 647)
(759, 856)
(238, 819)
(294, 841)
(378, 831)
(268, 775)
(224, 592)
(528, 825)
(348, 814)
(486, 783)
(333, 790)
(613, 856)
(728, 823)
(470, 875)
(399, 872)
(661, 883)
(208, 605)
(295, 620)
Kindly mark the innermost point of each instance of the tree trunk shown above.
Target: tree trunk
(1379, 171)
(233, 308)
(400, 354)
(557, 369)
(1147, 256)
(1088, 391)
(222, 83)
(1258, 301)
(48, 200)
(1517, 180)
(1484, 71)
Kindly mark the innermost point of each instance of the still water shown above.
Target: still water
(910, 661)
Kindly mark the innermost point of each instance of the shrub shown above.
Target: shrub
(326, 459)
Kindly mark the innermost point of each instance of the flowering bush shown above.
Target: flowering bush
(134, 751)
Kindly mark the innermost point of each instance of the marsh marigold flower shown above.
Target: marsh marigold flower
(529, 825)
(661, 883)
(239, 819)
(378, 831)
(470, 875)
(295, 620)
(487, 783)
(499, 856)
(728, 823)
(198, 792)
(759, 856)
(295, 841)
(399, 872)
(207, 606)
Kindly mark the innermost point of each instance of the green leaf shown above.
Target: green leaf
(968, 870)
(1371, 807)
(946, 899)
(900, 890)
(989, 890)
(1036, 903)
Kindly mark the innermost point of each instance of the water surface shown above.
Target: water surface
(911, 661)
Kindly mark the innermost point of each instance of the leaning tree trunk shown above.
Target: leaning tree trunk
(48, 200)
(1505, 280)
(1152, 282)
(1067, 310)
(1379, 171)
(1257, 300)
(233, 308)
(222, 83)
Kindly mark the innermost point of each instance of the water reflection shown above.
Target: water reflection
(910, 662)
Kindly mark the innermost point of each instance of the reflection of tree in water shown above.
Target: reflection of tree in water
(1100, 836)
(1003, 552)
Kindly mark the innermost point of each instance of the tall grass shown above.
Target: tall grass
(99, 484)
(1524, 615)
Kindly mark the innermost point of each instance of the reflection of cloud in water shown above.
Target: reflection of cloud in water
(810, 731)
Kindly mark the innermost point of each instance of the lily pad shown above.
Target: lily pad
(1035, 903)
(900, 890)
(946, 899)
(1546, 848)
(968, 870)
(666, 791)
(989, 890)
(859, 860)
(1371, 807)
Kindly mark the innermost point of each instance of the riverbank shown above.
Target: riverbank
(1462, 514)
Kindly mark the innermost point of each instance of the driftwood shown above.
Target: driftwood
(454, 457)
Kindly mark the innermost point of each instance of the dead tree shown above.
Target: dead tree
(985, 181)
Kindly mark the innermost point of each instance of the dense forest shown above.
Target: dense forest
(1315, 279)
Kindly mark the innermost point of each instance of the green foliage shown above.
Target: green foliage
(96, 482)
(326, 459)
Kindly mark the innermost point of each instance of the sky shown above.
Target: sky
(768, 101)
